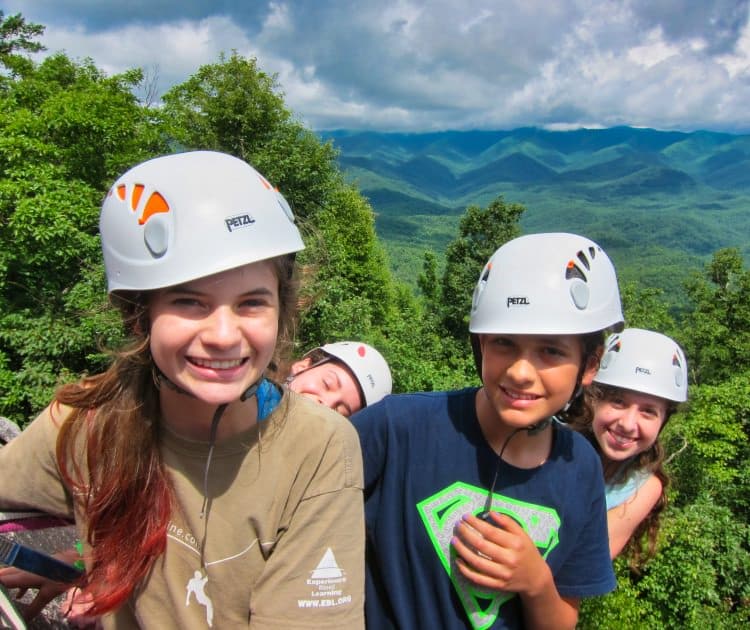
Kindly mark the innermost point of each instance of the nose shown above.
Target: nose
(522, 370)
(627, 418)
(222, 328)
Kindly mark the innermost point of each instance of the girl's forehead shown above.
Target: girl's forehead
(241, 278)
(535, 339)
(641, 398)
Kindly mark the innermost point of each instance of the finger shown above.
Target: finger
(33, 608)
(479, 578)
(506, 522)
(479, 561)
(491, 531)
(474, 540)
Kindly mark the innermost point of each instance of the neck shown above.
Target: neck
(191, 418)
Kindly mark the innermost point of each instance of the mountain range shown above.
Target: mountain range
(660, 202)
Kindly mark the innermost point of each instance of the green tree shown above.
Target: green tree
(645, 307)
(18, 35)
(699, 579)
(481, 232)
(719, 341)
(66, 130)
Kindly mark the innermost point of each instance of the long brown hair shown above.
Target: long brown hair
(122, 490)
(650, 460)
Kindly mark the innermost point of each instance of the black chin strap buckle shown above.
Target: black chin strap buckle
(539, 426)
(250, 391)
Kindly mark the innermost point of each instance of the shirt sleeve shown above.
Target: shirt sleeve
(371, 424)
(28, 466)
(588, 571)
(314, 577)
(618, 493)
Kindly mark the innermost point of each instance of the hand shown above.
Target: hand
(499, 555)
(76, 607)
(47, 590)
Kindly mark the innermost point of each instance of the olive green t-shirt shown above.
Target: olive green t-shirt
(283, 532)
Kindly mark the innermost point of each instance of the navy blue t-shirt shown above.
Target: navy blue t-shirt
(426, 464)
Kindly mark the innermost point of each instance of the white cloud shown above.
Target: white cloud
(419, 64)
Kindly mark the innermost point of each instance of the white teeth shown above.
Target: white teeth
(620, 439)
(217, 365)
(519, 395)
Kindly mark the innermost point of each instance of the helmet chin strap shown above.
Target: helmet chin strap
(160, 377)
(543, 424)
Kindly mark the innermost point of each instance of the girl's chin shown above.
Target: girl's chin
(212, 395)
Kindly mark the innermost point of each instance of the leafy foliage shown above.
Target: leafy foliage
(67, 130)
(480, 233)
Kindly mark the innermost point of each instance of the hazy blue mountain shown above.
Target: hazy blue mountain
(661, 202)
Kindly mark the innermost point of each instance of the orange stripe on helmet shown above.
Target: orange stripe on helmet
(156, 203)
(136, 196)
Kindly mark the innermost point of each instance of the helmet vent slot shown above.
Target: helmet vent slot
(582, 257)
(574, 271)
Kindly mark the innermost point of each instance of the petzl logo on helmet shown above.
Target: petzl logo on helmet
(517, 301)
(642, 370)
(238, 221)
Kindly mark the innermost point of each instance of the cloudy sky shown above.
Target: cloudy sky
(420, 65)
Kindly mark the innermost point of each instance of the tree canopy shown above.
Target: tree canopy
(67, 130)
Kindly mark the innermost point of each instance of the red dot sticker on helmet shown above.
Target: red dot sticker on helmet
(361, 351)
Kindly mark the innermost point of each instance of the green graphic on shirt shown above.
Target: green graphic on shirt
(441, 512)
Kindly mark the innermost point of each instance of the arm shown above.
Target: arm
(47, 590)
(504, 558)
(314, 576)
(29, 459)
(623, 520)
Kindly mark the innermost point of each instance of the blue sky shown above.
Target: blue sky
(409, 65)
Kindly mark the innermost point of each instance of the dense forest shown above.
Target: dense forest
(67, 130)
(659, 202)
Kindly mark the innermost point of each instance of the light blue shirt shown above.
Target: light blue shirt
(621, 490)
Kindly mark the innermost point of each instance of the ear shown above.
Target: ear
(592, 367)
(300, 366)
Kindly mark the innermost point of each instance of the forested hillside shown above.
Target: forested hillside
(661, 202)
(67, 130)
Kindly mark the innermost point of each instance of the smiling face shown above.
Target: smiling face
(215, 336)
(528, 378)
(329, 383)
(627, 423)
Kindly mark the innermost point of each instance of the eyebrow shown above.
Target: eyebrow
(184, 289)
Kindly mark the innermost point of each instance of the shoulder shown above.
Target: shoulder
(575, 450)
(648, 487)
(412, 408)
(322, 444)
(316, 423)
(570, 440)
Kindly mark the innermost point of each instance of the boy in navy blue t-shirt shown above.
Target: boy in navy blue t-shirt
(482, 511)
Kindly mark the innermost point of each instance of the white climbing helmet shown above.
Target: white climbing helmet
(645, 361)
(547, 284)
(368, 366)
(185, 216)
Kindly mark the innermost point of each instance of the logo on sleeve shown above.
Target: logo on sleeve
(328, 584)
